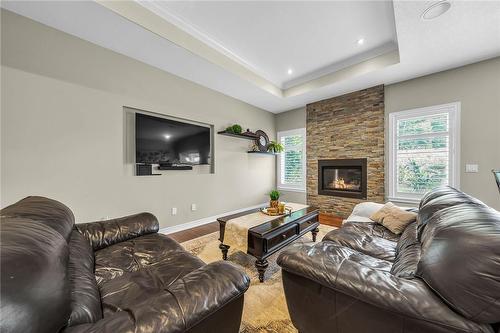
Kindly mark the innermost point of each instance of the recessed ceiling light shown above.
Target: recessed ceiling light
(436, 9)
(361, 41)
(167, 136)
(289, 71)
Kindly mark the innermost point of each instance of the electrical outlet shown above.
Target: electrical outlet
(472, 168)
(174, 211)
(193, 207)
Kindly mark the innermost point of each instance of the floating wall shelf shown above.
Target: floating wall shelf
(247, 136)
(261, 152)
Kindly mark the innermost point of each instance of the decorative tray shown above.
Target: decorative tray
(270, 212)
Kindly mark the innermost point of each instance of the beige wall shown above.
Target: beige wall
(477, 87)
(292, 119)
(285, 121)
(63, 131)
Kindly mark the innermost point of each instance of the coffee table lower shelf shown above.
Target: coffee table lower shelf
(270, 237)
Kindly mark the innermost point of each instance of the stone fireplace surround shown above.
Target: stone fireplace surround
(350, 126)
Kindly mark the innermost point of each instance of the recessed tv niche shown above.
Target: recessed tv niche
(167, 141)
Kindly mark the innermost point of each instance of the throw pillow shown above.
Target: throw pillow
(393, 218)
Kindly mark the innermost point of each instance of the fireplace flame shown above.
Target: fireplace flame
(340, 183)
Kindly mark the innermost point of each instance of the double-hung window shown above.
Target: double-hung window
(292, 161)
(424, 147)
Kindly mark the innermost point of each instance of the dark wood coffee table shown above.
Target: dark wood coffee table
(269, 237)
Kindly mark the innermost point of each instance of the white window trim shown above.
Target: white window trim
(284, 187)
(453, 109)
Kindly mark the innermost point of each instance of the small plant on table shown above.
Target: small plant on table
(274, 196)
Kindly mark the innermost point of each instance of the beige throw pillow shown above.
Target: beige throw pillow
(393, 218)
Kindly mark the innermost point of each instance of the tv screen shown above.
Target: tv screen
(161, 140)
(496, 173)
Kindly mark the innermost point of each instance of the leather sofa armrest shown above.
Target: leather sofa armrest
(102, 234)
(329, 264)
(186, 303)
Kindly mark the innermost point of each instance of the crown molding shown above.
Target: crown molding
(364, 67)
(196, 32)
(154, 23)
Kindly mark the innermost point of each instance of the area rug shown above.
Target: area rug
(265, 307)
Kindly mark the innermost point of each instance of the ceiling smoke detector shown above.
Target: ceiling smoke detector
(436, 9)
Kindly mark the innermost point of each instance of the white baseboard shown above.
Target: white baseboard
(196, 223)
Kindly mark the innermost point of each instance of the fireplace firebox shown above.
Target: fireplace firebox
(343, 178)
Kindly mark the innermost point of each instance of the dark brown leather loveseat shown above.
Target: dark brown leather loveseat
(113, 276)
(441, 275)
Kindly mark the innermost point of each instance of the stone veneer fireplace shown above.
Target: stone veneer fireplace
(342, 178)
(347, 127)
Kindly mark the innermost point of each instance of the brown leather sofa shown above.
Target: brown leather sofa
(441, 275)
(113, 276)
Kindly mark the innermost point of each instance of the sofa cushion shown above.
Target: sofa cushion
(85, 299)
(407, 253)
(441, 197)
(364, 259)
(132, 255)
(362, 211)
(367, 238)
(51, 213)
(393, 218)
(358, 218)
(105, 233)
(130, 271)
(366, 209)
(34, 284)
(460, 258)
(372, 229)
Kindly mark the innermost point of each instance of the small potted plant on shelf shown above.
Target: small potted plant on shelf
(274, 196)
(235, 129)
(275, 147)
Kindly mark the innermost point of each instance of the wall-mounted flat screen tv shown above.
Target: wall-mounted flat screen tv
(162, 140)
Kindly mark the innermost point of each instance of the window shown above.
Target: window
(423, 150)
(292, 162)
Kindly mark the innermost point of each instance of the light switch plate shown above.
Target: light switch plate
(471, 168)
(193, 207)
(174, 211)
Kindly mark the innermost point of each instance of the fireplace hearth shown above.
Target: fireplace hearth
(342, 178)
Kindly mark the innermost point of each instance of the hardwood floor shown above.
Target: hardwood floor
(195, 232)
(208, 228)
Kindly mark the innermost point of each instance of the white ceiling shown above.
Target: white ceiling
(272, 37)
(252, 44)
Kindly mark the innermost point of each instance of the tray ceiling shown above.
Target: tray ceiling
(287, 41)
